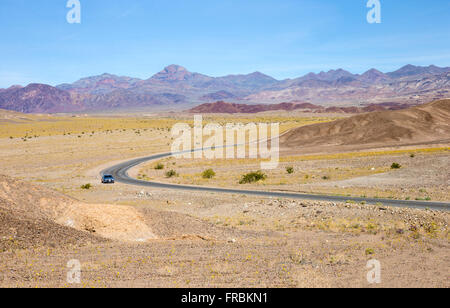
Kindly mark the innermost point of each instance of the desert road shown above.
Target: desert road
(120, 173)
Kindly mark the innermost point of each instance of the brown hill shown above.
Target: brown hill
(32, 205)
(27, 218)
(218, 96)
(34, 216)
(223, 107)
(20, 230)
(425, 124)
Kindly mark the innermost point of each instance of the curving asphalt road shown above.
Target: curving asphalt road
(120, 173)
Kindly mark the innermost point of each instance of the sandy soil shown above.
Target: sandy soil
(256, 243)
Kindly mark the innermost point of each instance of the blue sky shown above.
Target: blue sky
(282, 38)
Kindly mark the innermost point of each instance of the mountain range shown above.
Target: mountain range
(175, 87)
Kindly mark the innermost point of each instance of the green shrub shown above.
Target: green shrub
(253, 177)
(396, 166)
(171, 173)
(208, 174)
(290, 170)
(369, 251)
(86, 186)
(159, 166)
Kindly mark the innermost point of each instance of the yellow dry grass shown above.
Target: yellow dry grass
(364, 154)
(39, 126)
(56, 126)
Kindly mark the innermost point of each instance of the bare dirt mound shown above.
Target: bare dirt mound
(43, 215)
(425, 124)
(109, 221)
(20, 231)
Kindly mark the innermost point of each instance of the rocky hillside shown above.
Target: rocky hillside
(175, 86)
(37, 98)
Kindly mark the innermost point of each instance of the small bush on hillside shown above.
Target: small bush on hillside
(253, 177)
(370, 251)
(171, 174)
(86, 186)
(208, 174)
(290, 170)
(396, 166)
(159, 166)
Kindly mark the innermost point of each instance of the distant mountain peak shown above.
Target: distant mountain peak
(173, 73)
(373, 75)
(261, 76)
(329, 76)
(257, 74)
(407, 66)
(14, 87)
(339, 70)
(373, 71)
(176, 67)
(412, 70)
(107, 75)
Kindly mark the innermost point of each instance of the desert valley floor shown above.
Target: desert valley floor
(127, 236)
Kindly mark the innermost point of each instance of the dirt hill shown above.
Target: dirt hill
(20, 230)
(34, 203)
(425, 124)
(34, 216)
